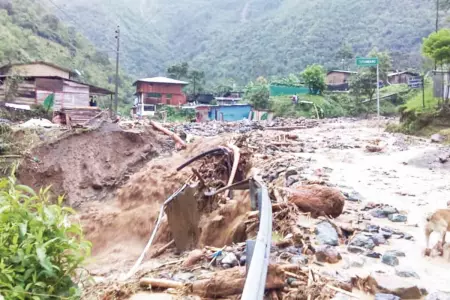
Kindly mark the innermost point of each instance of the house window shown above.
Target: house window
(154, 95)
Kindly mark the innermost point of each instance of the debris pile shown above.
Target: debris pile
(213, 128)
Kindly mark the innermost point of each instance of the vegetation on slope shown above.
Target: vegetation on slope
(247, 39)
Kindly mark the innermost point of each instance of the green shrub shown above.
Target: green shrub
(40, 251)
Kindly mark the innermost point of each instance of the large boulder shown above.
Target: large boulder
(318, 200)
(328, 254)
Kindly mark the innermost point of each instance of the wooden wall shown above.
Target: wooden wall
(25, 93)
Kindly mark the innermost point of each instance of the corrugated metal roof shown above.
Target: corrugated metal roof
(161, 80)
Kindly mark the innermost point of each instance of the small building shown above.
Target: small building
(236, 112)
(402, 77)
(158, 90)
(339, 77)
(26, 85)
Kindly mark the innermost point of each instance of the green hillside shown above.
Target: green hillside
(244, 39)
(29, 31)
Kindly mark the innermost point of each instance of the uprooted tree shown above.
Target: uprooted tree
(40, 250)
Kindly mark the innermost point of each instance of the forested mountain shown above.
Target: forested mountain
(242, 39)
(30, 31)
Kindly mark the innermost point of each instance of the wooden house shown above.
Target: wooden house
(158, 90)
(26, 85)
(339, 77)
(402, 77)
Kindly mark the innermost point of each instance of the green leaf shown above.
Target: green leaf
(26, 189)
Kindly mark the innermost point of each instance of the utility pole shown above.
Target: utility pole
(116, 93)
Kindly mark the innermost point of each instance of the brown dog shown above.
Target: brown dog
(439, 222)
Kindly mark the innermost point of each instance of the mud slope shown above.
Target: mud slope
(91, 165)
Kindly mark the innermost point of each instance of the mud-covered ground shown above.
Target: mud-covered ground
(118, 179)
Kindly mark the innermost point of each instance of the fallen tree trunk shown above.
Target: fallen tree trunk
(231, 282)
(162, 249)
(179, 142)
(160, 283)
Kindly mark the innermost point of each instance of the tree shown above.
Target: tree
(178, 71)
(384, 64)
(345, 55)
(363, 84)
(314, 77)
(257, 93)
(197, 78)
(437, 47)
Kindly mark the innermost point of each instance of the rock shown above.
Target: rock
(437, 138)
(293, 250)
(357, 262)
(386, 297)
(183, 277)
(372, 228)
(272, 176)
(291, 171)
(361, 240)
(405, 289)
(291, 180)
(318, 200)
(390, 259)
(230, 259)
(328, 254)
(406, 273)
(397, 218)
(243, 260)
(378, 213)
(378, 239)
(443, 158)
(354, 196)
(299, 260)
(388, 210)
(226, 266)
(438, 296)
(407, 236)
(373, 254)
(355, 249)
(396, 253)
(326, 234)
(386, 234)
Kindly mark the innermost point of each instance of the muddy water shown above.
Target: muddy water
(405, 175)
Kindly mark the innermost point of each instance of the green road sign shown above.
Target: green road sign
(367, 61)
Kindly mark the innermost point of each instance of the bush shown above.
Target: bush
(40, 250)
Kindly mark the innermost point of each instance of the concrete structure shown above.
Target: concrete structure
(401, 77)
(36, 69)
(338, 77)
(158, 90)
